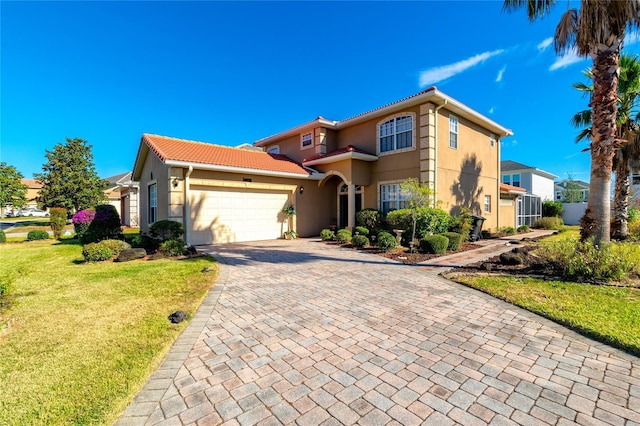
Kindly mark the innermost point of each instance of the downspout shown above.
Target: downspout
(187, 212)
(435, 160)
(498, 219)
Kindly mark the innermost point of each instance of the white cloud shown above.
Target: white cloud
(437, 74)
(542, 46)
(569, 58)
(491, 110)
(500, 74)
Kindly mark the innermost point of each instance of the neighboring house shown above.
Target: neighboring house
(328, 170)
(33, 189)
(581, 186)
(535, 181)
(122, 193)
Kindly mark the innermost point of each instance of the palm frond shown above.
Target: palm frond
(535, 8)
(581, 119)
(566, 32)
(584, 135)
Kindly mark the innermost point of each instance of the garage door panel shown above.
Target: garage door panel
(223, 215)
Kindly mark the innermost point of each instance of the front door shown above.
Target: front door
(343, 204)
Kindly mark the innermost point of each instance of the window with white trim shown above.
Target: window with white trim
(487, 203)
(396, 133)
(506, 179)
(273, 150)
(306, 140)
(153, 203)
(515, 179)
(453, 132)
(391, 198)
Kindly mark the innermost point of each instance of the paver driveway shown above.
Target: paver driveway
(307, 333)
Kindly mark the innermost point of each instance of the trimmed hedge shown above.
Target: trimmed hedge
(171, 248)
(104, 226)
(97, 252)
(327, 235)
(386, 241)
(455, 240)
(361, 230)
(343, 236)
(360, 241)
(37, 235)
(57, 221)
(435, 244)
(164, 230)
(428, 221)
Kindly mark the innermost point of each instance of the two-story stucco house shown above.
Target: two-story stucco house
(328, 170)
(534, 180)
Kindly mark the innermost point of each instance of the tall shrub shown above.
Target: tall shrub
(104, 226)
(429, 221)
(370, 219)
(81, 222)
(552, 208)
(462, 223)
(58, 220)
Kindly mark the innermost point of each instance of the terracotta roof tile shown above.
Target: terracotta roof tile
(173, 149)
(348, 148)
(506, 188)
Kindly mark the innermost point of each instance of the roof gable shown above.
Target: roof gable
(183, 152)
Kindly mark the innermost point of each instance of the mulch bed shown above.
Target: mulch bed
(402, 254)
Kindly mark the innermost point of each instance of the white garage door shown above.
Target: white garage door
(233, 215)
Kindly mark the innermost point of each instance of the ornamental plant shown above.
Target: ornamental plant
(104, 226)
(58, 221)
(81, 222)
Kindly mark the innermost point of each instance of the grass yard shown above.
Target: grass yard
(81, 339)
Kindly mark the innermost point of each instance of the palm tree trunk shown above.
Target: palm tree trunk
(596, 220)
(620, 223)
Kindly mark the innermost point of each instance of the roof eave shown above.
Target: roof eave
(314, 175)
(341, 157)
(295, 130)
(532, 170)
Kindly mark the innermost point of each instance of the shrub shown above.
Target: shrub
(343, 236)
(551, 223)
(7, 286)
(361, 230)
(369, 218)
(435, 244)
(507, 230)
(584, 262)
(360, 241)
(634, 214)
(634, 231)
(37, 234)
(428, 221)
(144, 241)
(104, 226)
(327, 235)
(58, 220)
(523, 228)
(173, 247)
(3, 236)
(462, 223)
(386, 241)
(164, 230)
(552, 208)
(96, 252)
(455, 240)
(81, 222)
(116, 246)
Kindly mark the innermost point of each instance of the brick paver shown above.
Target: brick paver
(299, 332)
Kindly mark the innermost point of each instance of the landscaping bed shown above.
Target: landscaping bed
(403, 255)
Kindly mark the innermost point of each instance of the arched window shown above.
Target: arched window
(396, 133)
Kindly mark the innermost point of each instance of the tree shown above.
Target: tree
(628, 155)
(572, 193)
(597, 30)
(12, 191)
(418, 195)
(69, 178)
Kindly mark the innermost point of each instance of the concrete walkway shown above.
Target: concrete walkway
(300, 332)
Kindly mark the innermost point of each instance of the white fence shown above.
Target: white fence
(572, 213)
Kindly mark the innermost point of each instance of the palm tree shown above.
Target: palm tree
(596, 30)
(627, 131)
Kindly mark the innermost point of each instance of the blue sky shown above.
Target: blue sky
(230, 73)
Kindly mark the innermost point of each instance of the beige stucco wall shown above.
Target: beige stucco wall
(507, 212)
(153, 166)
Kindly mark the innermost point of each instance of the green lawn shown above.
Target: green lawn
(81, 339)
(607, 313)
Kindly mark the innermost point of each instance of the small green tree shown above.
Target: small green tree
(69, 178)
(572, 193)
(12, 191)
(418, 195)
(58, 220)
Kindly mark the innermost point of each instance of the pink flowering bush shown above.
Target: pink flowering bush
(81, 222)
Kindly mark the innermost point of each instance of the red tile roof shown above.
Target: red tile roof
(173, 149)
(510, 188)
(348, 148)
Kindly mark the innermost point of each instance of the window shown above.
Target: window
(396, 133)
(391, 198)
(635, 179)
(558, 195)
(273, 150)
(453, 132)
(492, 139)
(306, 140)
(487, 203)
(506, 179)
(515, 180)
(153, 203)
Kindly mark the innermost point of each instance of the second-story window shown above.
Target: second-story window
(273, 150)
(515, 180)
(306, 140)
(453, 132)
(396, 133)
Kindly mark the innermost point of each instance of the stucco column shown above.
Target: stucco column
(351, 204)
